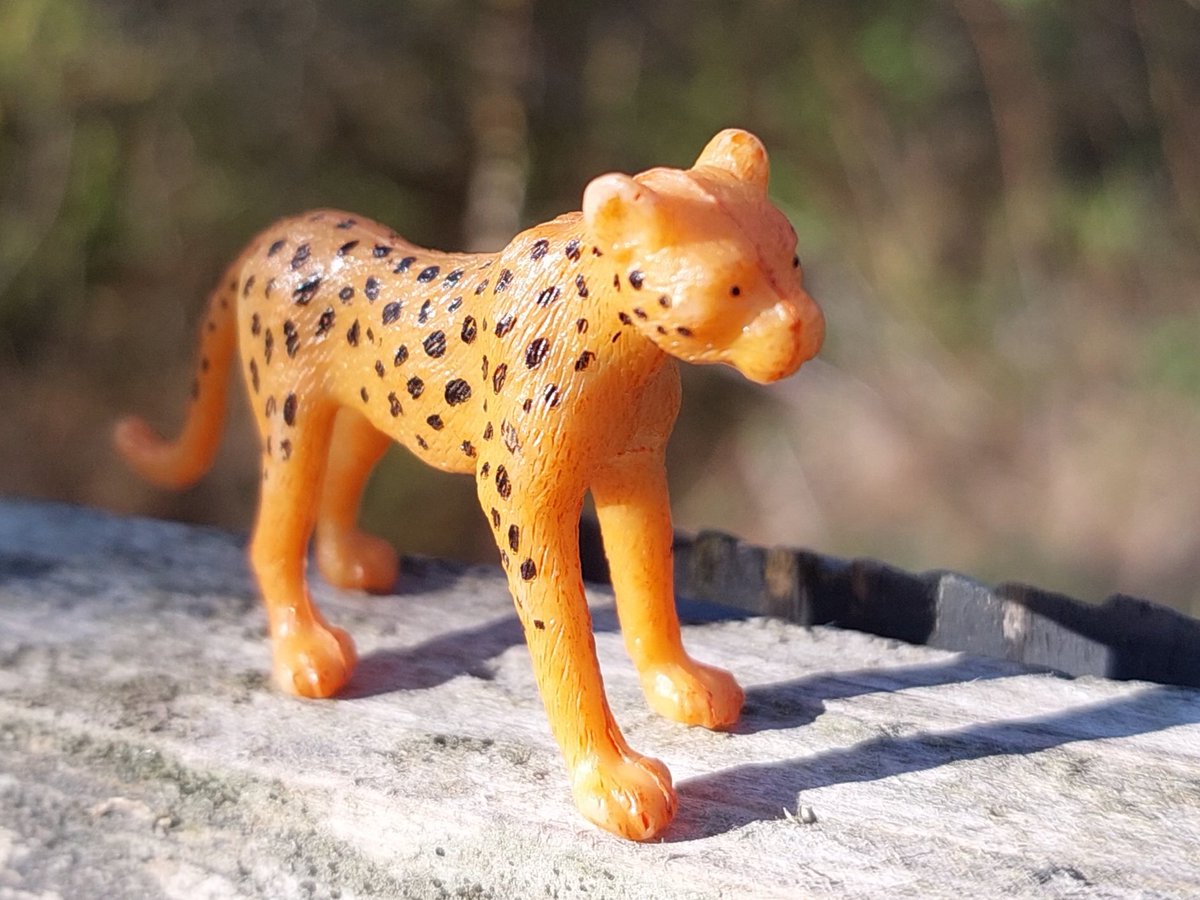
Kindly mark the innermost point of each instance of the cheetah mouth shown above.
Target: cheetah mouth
(779, 340)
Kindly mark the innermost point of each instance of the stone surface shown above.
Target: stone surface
(142, 752)
(1124, 637)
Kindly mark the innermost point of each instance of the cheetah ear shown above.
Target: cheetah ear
(622, 213)
(740, 153)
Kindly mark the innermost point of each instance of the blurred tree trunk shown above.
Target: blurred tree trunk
(1023, 117)
(500, 39)
(1167, 33)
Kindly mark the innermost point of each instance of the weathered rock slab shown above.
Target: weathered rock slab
(143, 753)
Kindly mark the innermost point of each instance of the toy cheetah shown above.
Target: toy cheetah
(546, 370)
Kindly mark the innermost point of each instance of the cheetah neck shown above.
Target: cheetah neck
(582, 287)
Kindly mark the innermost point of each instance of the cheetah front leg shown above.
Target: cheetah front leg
(311, 657)
(635, 522)
(347, 556)
(535, 522)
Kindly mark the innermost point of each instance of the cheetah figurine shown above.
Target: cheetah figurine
(545, 370)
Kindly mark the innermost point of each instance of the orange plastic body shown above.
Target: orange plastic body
(545, 370)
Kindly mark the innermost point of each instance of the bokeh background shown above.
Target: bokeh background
(998, 204)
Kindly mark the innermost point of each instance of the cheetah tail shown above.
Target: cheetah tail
(179, 463)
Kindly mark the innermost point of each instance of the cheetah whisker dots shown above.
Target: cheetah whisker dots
(545, 370)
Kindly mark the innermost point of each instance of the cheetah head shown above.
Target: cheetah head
(708, 264)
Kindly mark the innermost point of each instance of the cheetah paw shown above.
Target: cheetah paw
(630, 796)
(358, 561)
(316, 662)
(693, 693)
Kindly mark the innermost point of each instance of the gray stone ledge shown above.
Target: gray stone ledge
(1123, 637)
(143, 754)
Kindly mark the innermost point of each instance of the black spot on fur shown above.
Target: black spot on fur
(346, 247)
(371, 288)
(435, 422)
(457, 391)
(528, 570)
(352, 334)
(508, 433)
(503, 281)
(292, 337)
(301, 255)
(469, 330)
(394, 404)
(289, 409)
(505, 325)
(536, 352)
(325, 322)
(435, 344)
(401, 355)
(539, 249)
(275, 247)
(585, 360)
(345, 294)
(503, 485)
(415, 387)
(306, 290)
(428, 274)
(498, 377)
(391, 312)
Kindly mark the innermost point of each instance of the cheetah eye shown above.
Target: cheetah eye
(795, 262)
(735, 291)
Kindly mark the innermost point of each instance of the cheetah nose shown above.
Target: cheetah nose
(808, 328)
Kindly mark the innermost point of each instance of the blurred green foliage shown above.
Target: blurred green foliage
(997, 200)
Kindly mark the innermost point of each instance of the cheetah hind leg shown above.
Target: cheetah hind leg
(347, 556)
(311, 657)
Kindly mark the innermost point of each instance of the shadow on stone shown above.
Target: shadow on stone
(732, 798)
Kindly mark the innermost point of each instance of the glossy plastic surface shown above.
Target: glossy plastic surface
(546, 370)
